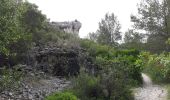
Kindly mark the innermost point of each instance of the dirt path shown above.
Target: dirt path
(149, 91)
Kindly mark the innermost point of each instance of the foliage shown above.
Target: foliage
(87, 87)
(24, 26)
(93, 36)
(113, 84)
(148, 11)
(32, 19)
(167, 86)
(95, 49)
(156, 44)
(33, 22)
(133, 40)
(10, 79)
(61, 96)
(114, 69)
(104, 56)
(132, 36)
(20, 21)
(65, 66)
(154, 16)
(158, 66)
(108, 32)
(10, 30)
(104, 87)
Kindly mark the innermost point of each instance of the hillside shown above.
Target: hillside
(45, 60)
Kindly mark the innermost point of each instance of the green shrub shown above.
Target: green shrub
(157, 66)
(95, 49)
(103, 56)
(109, 85)
(115, 85)
(10, 79)
(61, 96)
(126, 64)
(86, 87)
(117, 71)
(130, 52)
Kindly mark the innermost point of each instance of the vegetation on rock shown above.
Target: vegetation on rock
(101, 68)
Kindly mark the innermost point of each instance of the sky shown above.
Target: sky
(88, 12)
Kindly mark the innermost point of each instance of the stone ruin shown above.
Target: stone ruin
(72, 27)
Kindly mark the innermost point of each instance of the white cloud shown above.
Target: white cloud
(88, 12)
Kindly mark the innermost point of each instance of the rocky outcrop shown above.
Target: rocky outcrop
(58, 61)
(68, 27)
(61, 60)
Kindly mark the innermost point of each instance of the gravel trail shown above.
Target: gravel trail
(149, 91)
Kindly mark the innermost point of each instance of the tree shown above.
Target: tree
(9, 24)
(93, 36)
(132, 36)
(133, 40)
(154, 18)
(32, 21)
(20, 25)
(109, 30)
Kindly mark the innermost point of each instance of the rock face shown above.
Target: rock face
(68, 27)
(58, 61)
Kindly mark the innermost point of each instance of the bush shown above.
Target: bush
(115, 85)
(157, 66)
(9, 79)
(130, 52)
(110, 85)
(95, 49)
(131, 65)
(117, 71)
(87, 87)
(104, 56)
(61, 96)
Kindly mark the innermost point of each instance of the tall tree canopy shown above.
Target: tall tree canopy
(154, 17)
(133, 40)
(133, 36)
(9, 23)
(109, 30)
(32, 21)
(19, 21)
